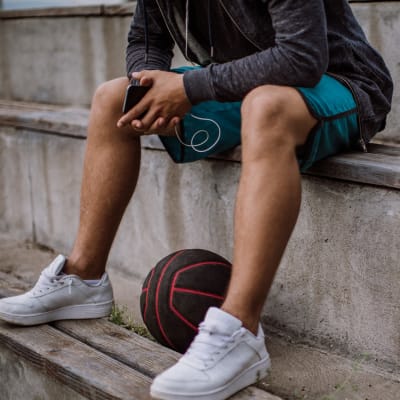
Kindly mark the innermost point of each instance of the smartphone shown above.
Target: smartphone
(134, 93)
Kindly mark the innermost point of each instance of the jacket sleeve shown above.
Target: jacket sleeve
(160, 43)
(298, 58)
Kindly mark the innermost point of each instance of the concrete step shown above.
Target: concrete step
(298, 372)
(337, 286)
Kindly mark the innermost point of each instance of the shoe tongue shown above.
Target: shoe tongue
(56, 265)
(222, 322)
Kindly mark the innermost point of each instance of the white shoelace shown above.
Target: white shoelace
(208, 345)
(48, 282)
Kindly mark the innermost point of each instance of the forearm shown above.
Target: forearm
(156, 58)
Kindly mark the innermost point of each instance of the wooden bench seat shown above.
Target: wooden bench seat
(95, 358)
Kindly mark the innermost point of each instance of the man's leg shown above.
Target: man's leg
(275, 120)
(224, 357)
(111, 169)
(110, 174)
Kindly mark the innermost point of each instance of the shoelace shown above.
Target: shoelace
(208, 345)
(47, 282)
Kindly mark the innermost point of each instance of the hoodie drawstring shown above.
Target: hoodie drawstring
(146, 31)
(210, 36)
(210, 33)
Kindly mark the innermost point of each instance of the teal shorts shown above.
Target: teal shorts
(212, 127)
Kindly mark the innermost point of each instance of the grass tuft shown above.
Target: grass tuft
(120, 316)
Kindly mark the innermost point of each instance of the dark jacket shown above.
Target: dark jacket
(298, 41)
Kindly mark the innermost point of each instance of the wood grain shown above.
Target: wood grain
(135, 351)
(113, 365)
(96, 358)
(82, 368)
(146, 356)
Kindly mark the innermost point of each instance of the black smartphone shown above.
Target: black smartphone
(134, 93)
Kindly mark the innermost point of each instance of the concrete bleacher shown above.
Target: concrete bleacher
(337, 288)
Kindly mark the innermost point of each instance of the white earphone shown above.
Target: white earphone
(192, 143)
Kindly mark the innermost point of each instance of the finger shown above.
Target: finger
(169, 129)
(144, 77)
(137, 125)
(149, 119)
(175, 120)
(137, 75)
(161, 122)
(154, 128)
(146, 81)
(133, 114)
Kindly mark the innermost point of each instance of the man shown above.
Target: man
(309, 84)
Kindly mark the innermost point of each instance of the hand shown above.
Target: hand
(163, 106)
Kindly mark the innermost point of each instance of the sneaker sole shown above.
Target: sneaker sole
(83, 311)
(248, 377)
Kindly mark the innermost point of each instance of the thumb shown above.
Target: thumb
(146, 81)
(143, 78)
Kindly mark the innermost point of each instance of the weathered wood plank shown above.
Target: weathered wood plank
(146, 356)
(82, 368)
(21, 380)
(135, 351)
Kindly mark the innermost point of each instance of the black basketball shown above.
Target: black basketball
(177, 293)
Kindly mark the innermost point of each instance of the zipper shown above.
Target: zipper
(238, 27)
(348, 85)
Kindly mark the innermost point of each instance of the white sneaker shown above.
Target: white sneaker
(57, 296)
(223, 358)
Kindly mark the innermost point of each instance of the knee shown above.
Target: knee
(267, 120)
(109, 96)
(264, 103)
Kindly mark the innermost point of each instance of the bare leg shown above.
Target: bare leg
(111, 169)
(274, 121)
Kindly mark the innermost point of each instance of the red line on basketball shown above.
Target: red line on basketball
(180, 289)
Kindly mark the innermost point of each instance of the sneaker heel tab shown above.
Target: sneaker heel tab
(105, 278)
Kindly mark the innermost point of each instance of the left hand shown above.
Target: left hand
(164, 105)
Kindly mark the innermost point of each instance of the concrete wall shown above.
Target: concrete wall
(63, 59)
(338, 283)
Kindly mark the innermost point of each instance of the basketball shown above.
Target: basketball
(177, 293)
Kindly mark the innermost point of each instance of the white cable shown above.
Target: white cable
(195, 146)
